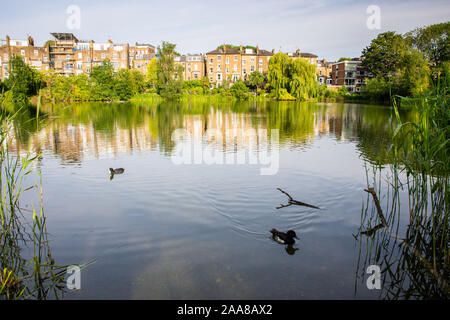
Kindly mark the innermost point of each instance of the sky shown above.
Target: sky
(329, 29)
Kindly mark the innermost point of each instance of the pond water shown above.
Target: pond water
(165, 230)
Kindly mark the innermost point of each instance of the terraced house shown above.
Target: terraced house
(233, 64)
(193, 66)
(140, 56)
(37, 57)
(67, 55)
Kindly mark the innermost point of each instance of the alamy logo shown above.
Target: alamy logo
(74, 19)
(231, 147)
(374, 281)
(74, 279)
(374, 20)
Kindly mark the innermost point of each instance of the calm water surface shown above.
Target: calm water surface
(167, 231)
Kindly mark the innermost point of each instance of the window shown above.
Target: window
(5, 56)
(80, 55)
(227, 70)
(22, 52)
(219, 76)
(35, 52)
(79, 65)
(103, 56)
(252, 59)
(210, 70)
(260, 70)
(211, 61)
(235, 58)
(252, 68)
(260, 62)
(244, 71)
(195, 67)
(115, 56)
(227, 60)
(243, 62)
(218, 67)
(235, 67)
(219, 58)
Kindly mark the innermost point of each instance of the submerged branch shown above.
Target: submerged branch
(294, 202)
(377, 205)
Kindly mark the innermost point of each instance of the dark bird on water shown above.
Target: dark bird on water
(284, 238)
(116, 171)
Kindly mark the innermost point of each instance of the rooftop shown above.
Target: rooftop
(64, 36)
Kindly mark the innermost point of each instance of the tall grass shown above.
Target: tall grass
(27, 268)
(414, 258)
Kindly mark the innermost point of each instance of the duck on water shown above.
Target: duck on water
(284, 237)
(115, 171)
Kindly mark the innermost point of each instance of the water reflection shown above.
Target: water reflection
(94, 130)
(202, 231)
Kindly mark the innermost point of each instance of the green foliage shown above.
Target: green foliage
(433, 41)
(344, 59)
(404, 69)
(239, 90)
(303, 84)
(297, 78)
(169, 75)
(23, 81)
(231, 46)
(256, 80)
(103, 84)
(278, 73)
(152, 72)
(383, 57)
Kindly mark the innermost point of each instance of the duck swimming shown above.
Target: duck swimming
(284, 238)
(116, 171)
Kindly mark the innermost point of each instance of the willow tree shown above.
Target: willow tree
(292, 78)
(169, 75)
(303, 83)
(277, 73)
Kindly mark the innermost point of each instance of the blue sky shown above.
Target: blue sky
(330, 29)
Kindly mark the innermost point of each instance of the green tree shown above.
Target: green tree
(278, 73)
(152, 73)
(23, 81)
(256, 80)
(123, 87)
(103, 81)
(404, 69)
(433, 41)
(383, 56)
(169, 75)
(239, 90)
(303, 83)
(137, 82)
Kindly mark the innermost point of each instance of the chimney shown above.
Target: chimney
(324, 61)
(224, 49)
(241, 48)
(257, 49)
(297, 51)
(7, 40)
(273, 51)
(30, 41)
(110, 41)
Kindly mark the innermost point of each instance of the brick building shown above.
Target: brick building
(193, 66)
(37, 57)
(234, 64)
(349, 73)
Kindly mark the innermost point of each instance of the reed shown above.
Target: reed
(413, 255)
(27, 268)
